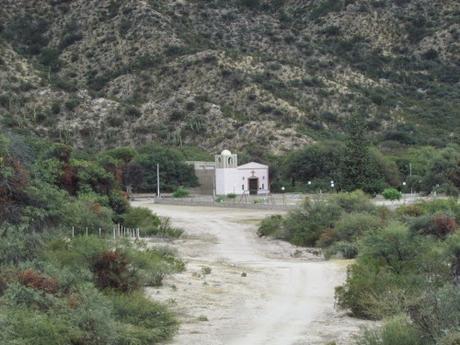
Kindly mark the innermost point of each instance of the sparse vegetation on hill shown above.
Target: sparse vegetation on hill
(230, 73)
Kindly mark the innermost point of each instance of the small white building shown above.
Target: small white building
(250, 178)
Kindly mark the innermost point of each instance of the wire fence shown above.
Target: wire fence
(118, 231)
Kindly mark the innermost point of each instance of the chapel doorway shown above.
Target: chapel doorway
(253, 185)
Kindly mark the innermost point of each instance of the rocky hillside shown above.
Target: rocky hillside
(215, 73)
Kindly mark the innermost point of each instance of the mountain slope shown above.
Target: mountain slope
(277, 74)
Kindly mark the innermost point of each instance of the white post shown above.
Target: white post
(86, 231)
(158, 181)
(114, 235)
(73, 231)
(100, 232)
(138, 233)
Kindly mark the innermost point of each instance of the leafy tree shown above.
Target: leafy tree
(443, 171)
(314, 162)
(174, 171)
(358, 169)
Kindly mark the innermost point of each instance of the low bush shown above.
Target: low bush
(167, 230)
(113, 270)
(271, 226)
(154, 264)
(342, 249)
(181, 193)
(356, 201)
(391, 194)
(139, 217)
(397, 330)
(351, 226)
(150, 224)
(439, 225)
(38, 281)
(142, 321)
(304, 227)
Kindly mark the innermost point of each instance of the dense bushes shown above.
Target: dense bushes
(84, 290)
(334, 224)
(407, 272)
(407, 269)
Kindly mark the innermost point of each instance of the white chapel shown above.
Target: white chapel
(250, 178)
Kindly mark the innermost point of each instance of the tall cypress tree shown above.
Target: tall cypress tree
(356, 163)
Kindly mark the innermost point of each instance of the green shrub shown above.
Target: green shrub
(72, 103)
(23, 326)
(150, 224)
(304, 227)
(139, 217)
(142, 321)
(391, 194)
(181, 193)
(252, 4)
(167, 230)
(324, 7)
(271, 226)
(371, 292)
(49, 57)
(356, 201)
(397, 330)
(76, 254)
(386, 269)
(436, 312)
(18, 246)
(154, 264)
(394, 246)
(439, 225)
(346, 250)
(452, 338)
(93, 316)
(353, 225)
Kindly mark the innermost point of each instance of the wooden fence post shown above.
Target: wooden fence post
(73, 231)
(114, 236)
(100, 232)
(86, 231)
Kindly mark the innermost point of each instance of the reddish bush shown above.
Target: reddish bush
(73, 301)
(36, 280)
(96, 208)
(443, 225)
(328, 236)
(3, 285)
(13, 180)
(112, 270)
(69, 179)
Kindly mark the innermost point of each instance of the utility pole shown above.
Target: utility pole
(410, 175)
(158, 181)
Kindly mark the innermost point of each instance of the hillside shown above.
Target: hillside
(277, 74)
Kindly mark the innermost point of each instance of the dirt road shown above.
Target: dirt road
(239, 289)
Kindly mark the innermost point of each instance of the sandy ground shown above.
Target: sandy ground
(239, 289)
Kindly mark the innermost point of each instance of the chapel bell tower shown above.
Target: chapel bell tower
(226, 160)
